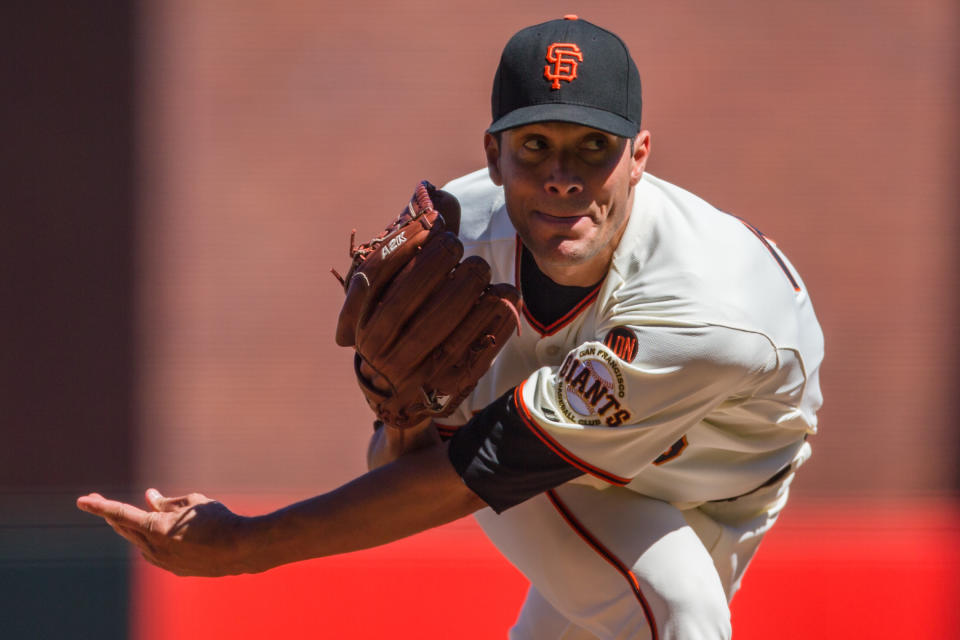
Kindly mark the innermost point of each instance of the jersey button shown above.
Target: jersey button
(553, 351)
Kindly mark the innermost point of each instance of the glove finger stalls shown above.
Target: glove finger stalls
(509, 294)
(468, 351)
(449, 207)
(375, 264)
(357, 290)
(395, 252)
(440, 384)
(494, 315)
(379, 328)
(439, 316)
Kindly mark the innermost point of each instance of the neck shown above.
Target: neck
(580, 275)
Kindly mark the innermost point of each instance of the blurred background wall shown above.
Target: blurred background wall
(179, 177)
(68, 364)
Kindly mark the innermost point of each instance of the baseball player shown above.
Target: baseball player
(631, 447)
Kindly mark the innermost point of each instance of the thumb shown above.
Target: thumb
(156, 500)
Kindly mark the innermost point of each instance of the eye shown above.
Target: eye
(534, 144)
(595, 143)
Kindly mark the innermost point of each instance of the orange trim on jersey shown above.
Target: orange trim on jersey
(552, 328)
(773, 252)
(607, 555)
(675, 450)
(557, 448)
(446, 430)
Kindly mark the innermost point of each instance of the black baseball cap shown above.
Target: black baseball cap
(567, 70)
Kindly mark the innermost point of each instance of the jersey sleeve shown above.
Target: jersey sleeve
(613, 407)
(502, 461)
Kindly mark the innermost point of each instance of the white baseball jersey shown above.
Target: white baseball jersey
(688, 375)
(681, 389)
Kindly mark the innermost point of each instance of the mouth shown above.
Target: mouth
(560, 219)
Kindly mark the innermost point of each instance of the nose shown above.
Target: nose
(561, 180)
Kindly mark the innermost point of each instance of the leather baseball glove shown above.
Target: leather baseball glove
(426, 324)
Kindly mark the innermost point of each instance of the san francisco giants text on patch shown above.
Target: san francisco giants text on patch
(591, 389)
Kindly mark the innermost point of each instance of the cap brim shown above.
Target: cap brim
(574, 113)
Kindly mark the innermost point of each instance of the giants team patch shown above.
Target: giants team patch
(590, 388)
(623, 342)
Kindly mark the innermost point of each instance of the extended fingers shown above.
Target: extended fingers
(133, 536)
(119, 512)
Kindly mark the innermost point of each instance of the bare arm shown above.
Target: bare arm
(414, 493)
(196, 536)
(389, 443)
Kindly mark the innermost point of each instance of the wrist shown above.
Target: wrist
(256, 543)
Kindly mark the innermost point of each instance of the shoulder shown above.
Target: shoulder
(685, 263)
(668, 221)
(474, 185)
(709, 348)
(482, 208)
(684, 259)
(675, 244)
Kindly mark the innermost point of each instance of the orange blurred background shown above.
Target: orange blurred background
(182, 176)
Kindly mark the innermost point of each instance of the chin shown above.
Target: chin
(567, 256)
(561, 249)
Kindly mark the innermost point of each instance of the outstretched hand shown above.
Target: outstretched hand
(193, 535)
(189, 535)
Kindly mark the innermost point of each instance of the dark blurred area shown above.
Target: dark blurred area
(67, 387)
(178, 178)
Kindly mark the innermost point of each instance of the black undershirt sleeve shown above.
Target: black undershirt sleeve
(502, 461)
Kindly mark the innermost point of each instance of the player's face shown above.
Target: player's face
(569, 191)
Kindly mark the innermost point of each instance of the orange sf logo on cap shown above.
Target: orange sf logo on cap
(564, 57)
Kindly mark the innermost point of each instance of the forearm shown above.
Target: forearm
(416, 492)
(388, 443)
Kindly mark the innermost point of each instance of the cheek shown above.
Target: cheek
(515, 205)
(616, 189)
(519, 189)
(519, 177)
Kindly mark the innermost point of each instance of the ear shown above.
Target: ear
(492, 148)
(641, 151)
